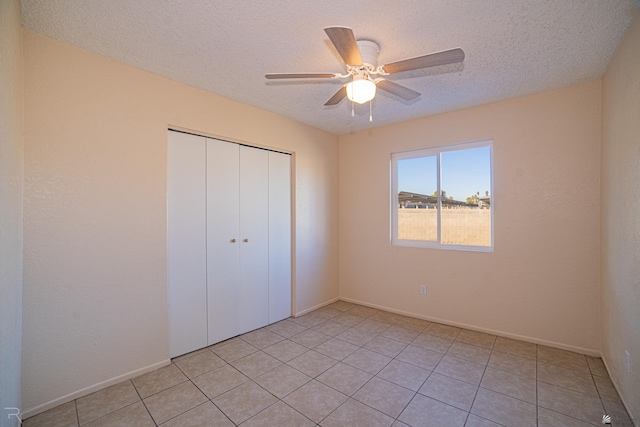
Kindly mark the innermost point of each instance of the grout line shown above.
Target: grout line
(537, 400)
(139, 396)
(75, 405)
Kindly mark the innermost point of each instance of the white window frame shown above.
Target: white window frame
(437, 152)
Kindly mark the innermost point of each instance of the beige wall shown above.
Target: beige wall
(541, 282)
(620, 218)
(95, 291)
(11, 183)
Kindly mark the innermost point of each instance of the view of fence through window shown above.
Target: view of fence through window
(462, 178)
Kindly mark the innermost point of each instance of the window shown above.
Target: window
(443, 197)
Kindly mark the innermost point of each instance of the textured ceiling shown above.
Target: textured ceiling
(513, 47)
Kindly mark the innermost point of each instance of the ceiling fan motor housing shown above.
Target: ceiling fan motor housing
(369, 52)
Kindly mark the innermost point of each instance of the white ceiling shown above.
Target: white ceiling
(513, 47)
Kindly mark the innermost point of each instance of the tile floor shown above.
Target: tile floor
(349, 365)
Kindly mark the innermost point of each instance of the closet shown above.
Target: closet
(229, 239)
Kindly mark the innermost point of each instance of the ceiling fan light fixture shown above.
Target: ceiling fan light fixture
(361, 90)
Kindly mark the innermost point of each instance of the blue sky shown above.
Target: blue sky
(464, 172)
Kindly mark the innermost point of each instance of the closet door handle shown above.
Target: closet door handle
(245, 240)
(232, 240)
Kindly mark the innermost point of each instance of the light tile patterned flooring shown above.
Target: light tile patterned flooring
(349, 365)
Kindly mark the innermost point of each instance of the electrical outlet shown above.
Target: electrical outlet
(627, 360)
(423, 290)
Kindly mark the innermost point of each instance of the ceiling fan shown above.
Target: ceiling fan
(361, 60)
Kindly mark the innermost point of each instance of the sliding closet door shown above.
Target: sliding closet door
(279, 236)
(186, 244)
(254, 239)
(223, 240)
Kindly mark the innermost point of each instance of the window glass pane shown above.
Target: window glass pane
(466, 207)
(417, 187)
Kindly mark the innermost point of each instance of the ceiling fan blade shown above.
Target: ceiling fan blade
(398, 90)
(337, 97)
(345, 43)
(301, 76)
(431, 60)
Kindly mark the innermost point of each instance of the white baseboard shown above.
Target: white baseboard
(315, 307)
(91, 389)
(588, 351)
(615, 385)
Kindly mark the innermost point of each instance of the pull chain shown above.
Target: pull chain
(353, 114)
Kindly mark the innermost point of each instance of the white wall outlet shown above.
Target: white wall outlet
(627, 361)
(423, 290)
